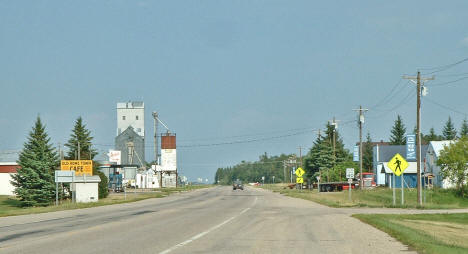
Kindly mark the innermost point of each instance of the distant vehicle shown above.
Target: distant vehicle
(368, 182)
(237, 185)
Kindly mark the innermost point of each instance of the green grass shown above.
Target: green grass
(10, 206)
(377, 197)
(427, 233)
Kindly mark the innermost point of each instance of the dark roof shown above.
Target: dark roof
(128, 133)
(386, 153)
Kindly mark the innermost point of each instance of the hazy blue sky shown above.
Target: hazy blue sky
(218, 71)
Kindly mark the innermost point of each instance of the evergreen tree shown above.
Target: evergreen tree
(424, 139)
(398, 131)
(432, 136)
(449, 132)
(34, 182)
(464, 128)
(367, 154)
(341, 153)
(319, 159)
(82, 136)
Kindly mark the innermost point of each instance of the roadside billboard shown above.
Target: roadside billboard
(115, 156)
(81, 167)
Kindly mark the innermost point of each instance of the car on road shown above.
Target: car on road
(237, 185)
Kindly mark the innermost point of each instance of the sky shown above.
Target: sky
(233, 79)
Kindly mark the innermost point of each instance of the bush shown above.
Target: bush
(103, 189)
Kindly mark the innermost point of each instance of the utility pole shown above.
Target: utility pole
(284, 171)
(156, 152)
(334, 123)
(361, 122)
(418, 129)
(300, 154)
(60, 151)
(79, 151)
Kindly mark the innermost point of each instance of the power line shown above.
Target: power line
(448, 82)
(401, 103)
(229, 142)
(388, 97)
(444, 67)
(246, 135)
(453, 75)
(245, 141)
(445, 107)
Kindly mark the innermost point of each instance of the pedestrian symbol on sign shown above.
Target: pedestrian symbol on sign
(398, 164)
(398, 167)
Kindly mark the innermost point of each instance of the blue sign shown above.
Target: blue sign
(411, 147)
(356, 153)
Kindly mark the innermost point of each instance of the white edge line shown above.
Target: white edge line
(206, 232)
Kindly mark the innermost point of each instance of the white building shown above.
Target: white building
(8, 167)
(432, 155)
(86, 188)
(131, 114)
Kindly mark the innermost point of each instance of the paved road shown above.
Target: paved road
(215, 220)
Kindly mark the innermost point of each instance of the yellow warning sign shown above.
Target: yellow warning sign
(300, 172)
(299, 180)
(81, 167)
(398, 164)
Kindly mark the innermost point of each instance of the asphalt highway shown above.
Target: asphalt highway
(214, 220)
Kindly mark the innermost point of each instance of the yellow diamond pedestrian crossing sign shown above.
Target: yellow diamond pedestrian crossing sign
(300, 172)
(397, 164)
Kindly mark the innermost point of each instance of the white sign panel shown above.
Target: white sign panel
(169, 159)
(114, 156)
(64, 176)
(350, 173)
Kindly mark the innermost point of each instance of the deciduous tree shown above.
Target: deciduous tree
(453, 161)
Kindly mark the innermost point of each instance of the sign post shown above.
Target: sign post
(318, 183)
(402, 189)
(350, 176)
(299, 173)
(398, 164)
(63, 177)
(410, 155)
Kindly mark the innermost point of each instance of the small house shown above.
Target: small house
(384, 175)
(430, 163)
(86, 188)
(8, 166)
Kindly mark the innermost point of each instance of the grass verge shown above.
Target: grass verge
(427, 233)
(378, 197)
(10, 206)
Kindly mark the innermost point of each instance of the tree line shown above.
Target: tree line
(35, 182)
(449, 132)
(268, 167)
(328, 158)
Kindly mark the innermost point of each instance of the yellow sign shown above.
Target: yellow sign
(81, 167)
(300, 172)
(398, 164)
(299, 180)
